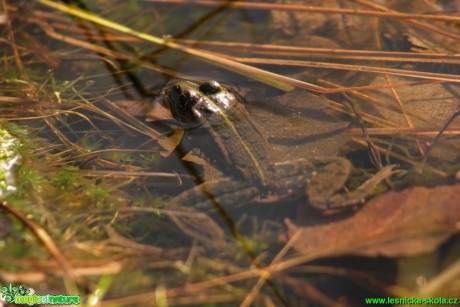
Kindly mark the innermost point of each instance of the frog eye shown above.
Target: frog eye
(172, 95)
(188, 99)
(210, 87)
(176, 88)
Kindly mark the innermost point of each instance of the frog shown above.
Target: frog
(218, 128)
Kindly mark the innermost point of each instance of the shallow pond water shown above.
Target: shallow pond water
(83, 87)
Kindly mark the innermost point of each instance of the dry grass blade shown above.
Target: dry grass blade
(308, 52)
(401, 157)
(258, 74)
(248, 300)
(47, 241)
(404, 131)
(311, 9)
(272, 270)
(361, 68)
(101, 50)
(436, 139)
(135, 124)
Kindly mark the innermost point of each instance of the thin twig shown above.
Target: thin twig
(373, 153)
(45, 238)
(435, 140)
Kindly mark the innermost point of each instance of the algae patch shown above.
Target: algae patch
(9, 157)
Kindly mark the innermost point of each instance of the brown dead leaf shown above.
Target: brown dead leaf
(132, 107)
(428, 107)
(300, 28)
(152, 111)
(158, 112)
(429, 41)
(170, 143)
(404, 223)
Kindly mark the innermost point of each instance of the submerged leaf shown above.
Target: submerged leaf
(170, 143)
(405, 223)
(133, 107)
(158, 112)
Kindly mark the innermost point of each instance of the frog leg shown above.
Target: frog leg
(197, 225)
(216, 195)
(330, 177)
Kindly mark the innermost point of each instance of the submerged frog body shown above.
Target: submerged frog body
(220, 128)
